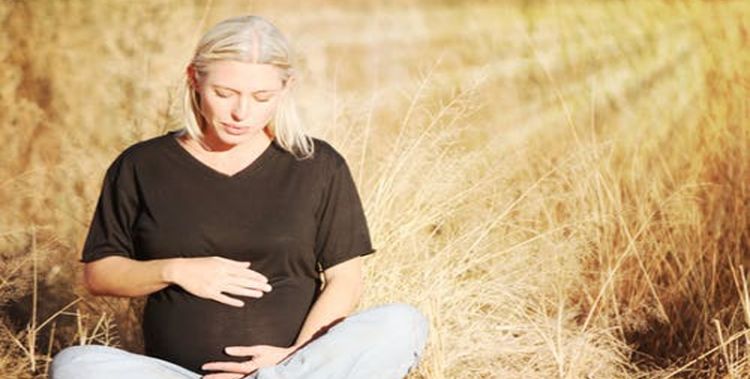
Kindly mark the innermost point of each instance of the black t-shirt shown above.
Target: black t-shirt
(292, 218)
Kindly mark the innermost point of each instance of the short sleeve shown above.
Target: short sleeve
(342, 229)
(110, 231)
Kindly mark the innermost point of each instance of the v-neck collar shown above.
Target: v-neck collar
(270, 151)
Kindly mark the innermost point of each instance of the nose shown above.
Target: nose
(241, 109)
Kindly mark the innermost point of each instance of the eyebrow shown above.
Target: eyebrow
(254, 92)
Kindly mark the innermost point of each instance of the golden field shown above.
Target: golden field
(563, 187)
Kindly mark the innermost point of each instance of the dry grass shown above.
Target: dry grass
(562, 187)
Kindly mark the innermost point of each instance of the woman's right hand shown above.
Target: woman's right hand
(212, 277)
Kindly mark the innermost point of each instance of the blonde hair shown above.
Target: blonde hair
(253, 39)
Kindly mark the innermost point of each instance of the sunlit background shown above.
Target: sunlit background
(563, 187)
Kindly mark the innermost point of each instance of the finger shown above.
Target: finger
(252, 284)
(260, 285)
(224, 375)
(236, 367)
(243, 264)
(229, 300)
(249, 274)
(241, 351)
(242, 291)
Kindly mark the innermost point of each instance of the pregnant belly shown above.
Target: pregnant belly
(189, 331)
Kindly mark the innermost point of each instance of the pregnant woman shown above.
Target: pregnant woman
(246, 235)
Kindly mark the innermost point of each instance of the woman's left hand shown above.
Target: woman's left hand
(262, 356)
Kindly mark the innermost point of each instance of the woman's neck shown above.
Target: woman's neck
(217, 150)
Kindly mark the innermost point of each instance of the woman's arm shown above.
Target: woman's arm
(121, 276)
(340, 296)
(207, 277)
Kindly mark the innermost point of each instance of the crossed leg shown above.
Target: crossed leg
(384, 341)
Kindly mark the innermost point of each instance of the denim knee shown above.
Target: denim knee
(403, 331)
(404, 319)
(79, 352)
(68, 354)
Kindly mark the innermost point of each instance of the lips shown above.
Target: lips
(234, 126)
(233, 129)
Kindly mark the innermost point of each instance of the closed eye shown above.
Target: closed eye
(222, 94)
(263, 99)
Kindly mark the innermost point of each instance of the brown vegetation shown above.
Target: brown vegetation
(562, 187)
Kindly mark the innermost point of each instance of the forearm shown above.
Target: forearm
(337, 300)
(120, 276)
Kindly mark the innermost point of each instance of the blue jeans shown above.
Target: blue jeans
(384, 341)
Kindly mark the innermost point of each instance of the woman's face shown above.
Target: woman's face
(238, 99)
